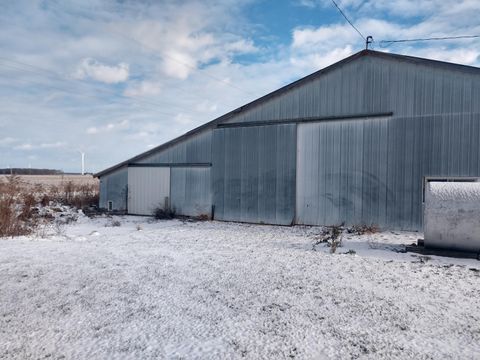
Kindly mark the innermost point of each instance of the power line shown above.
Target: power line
(385, 43)
(58, 76)
(61, 77)
(42, 71)
(163, 55)
(348, 20)
(76, 93)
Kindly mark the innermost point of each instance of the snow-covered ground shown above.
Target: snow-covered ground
(212, 290)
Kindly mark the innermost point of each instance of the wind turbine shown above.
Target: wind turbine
(83, 161)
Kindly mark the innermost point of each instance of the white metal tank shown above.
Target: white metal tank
(452, 215)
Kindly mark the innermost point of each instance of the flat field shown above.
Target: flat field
(133, 288)
(55, 180)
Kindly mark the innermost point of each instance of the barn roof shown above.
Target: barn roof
(282, 90)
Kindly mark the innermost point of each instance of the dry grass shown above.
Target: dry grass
(14, 208)
(363, 229)
(20, 200)
(53, 180)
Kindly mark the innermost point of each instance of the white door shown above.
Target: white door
(148, 189)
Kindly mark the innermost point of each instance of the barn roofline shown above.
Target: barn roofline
(286, 88)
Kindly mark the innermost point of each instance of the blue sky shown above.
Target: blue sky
(115, 78)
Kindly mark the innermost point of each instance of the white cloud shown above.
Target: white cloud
(24, 147)
(206, 106)
(183, 119)
(54, 145)
(125, 124)
(317, 61)
(323, 44)
(193, 36)
(307, 3)
(243, 46)
(91, 68)
(144, 88)
(29, 146)
(463, 56)
(312, 39)
(7, 141)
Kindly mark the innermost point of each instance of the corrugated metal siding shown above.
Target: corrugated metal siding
(410, 89)
(113, 187)
(371, 171)
(191, 191)
(254, 174)
(197, 149)
(372, 84)
(336, 93)
(147, 189)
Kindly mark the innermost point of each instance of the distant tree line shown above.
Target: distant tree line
(27, 171)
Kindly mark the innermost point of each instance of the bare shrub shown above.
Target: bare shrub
(203, 217)
(164, 214)
(331, 236)
(16, 208)
(28, 203)
(21, 203)
(335, 242)
(68, 192)
(71, 194)
(45, 200)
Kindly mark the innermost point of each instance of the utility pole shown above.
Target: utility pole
(368, 41)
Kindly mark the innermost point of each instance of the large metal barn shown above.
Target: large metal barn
(352, 143)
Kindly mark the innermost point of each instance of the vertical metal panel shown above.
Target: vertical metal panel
(254, 179)
(113, 187)
(385, 163)
(218, 174)
(147, 189)
(341, 172)
(196, 149)
(191, 191)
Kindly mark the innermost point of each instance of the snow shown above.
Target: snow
(441, 191)
(213, 290)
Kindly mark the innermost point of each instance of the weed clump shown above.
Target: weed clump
(113, 223)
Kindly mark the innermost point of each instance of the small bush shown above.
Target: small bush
(164, 214)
